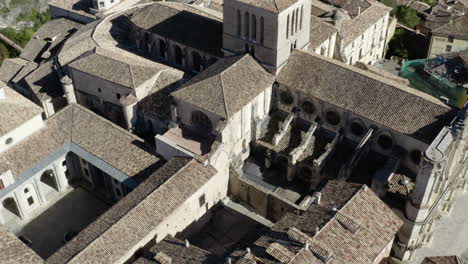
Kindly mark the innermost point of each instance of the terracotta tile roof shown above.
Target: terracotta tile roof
(122, 236)
(182, 23)
(456, 27)
(320, 31)
(44, 82)
(275, 6)
(13, 251)
(179, 253)
(349, 226)
(11, 67)
(127, 153)
(444, 260)
(15, 110)
(381, 100)
(226, 86)
(118, 211)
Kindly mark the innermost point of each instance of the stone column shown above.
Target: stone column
(68, 89)
(129, 104)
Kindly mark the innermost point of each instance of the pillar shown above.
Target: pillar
(68, 89)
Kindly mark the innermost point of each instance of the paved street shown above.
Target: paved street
(450, 234)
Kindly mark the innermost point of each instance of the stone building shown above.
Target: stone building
(449, 37)
(444, 260)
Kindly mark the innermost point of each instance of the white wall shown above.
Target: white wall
(21, 132)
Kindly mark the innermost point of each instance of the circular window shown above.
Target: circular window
(415, 156)
(201, 121)
(357, 129)
(385, 141)
(333, 118)
(8, 141)
(286, 98)
(308, 107)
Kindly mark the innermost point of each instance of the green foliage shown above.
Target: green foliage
(5, 10)
(430, 2)
(407, 16)
(407, 45)
(397, 45)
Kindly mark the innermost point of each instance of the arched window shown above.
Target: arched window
(147, 40)
(239, 23)
(262, 26)
(254, 28)
(201, 121)
(297, 20)
(333, 118)
(287, 27)
(385, 142)
(162, 48)
(292, 22)
(357, 129)
(196, 61)
(11, 205)
(178, 55)
(247, 25)
(300, 20)
(48, 178)
(286, 97)
(308, 107)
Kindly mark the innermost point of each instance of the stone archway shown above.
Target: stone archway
(179, 55)
(11, 209)
(48, 182)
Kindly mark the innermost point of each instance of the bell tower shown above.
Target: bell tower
(267, 29)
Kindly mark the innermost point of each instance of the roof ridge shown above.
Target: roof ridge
(223, 94)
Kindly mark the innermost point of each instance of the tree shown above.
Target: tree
(398, 44)
(407, 16)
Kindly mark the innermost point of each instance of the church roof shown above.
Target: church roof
(118, 68)
(276, 6)
(227, 86)
(182, 23)
(444, 260)
(15, 110)
(320, 31)
(76, 124)
(401, 108)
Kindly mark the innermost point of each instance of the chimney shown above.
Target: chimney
(229, 261)
(187, 243)
(307, 245)
(359, 10)
(248, 250)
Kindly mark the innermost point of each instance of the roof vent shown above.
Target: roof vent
(280, 253)
(323, 254)
(297, 235)
(348, 223)
(162, 258)
(187, 243)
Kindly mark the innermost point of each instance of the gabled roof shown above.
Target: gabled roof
(15, 110)
(11, 67)
(275, 6)
(320, 31)
(116, 68)
(227, 86)
(383, 101)
(444, 260)
(456, 27)
(78, 125)
(349, 227)
(44, 82)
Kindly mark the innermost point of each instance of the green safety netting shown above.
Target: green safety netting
(431, 83)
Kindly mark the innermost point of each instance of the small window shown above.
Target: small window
(112, 1)
(286, 97)
(26, 190)
(448, 48)
(64, 163)
(308, 107)
(385, 142)
(86, 172)
(450, 39)
(415, 156)
(201, 200)
(99, 90)
(30, 201)
(357, 129)
(8, 141)
(101, 4)
(118, 96)
(333, 118)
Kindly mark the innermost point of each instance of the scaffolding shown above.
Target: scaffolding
(443, 77)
